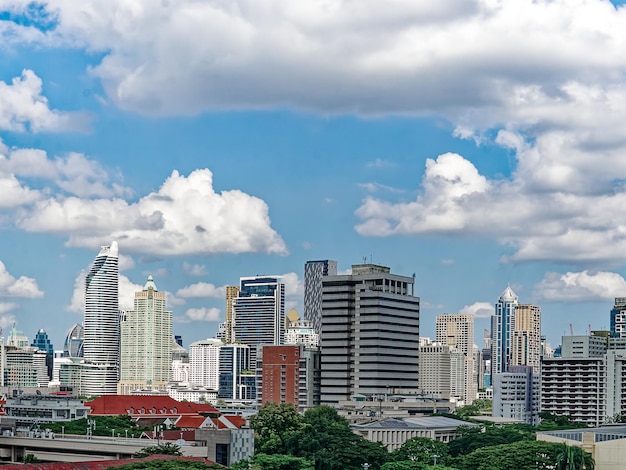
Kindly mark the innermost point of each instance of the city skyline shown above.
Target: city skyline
(214, 143)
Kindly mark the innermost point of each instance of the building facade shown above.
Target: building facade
(442, 372)
(618, 318)
(101, 345)
(369, 334)
(526, 337)
(235, 382)
(517, 394)
(146, 342)
(259, 313)
(502, 327)
(314, 272)
(204, 363)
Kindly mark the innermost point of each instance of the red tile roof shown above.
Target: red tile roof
(190, 422)
(145, 405)
(99, 464)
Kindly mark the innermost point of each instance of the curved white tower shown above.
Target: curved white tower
(102, 325)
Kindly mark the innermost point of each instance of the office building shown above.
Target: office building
(618, 318)
(502, 326)
(526, 337)
(457, 331)
(443, 372)
(369, 335)
(204, 363)
(259, 313)
(42, 342)
(236, 379)
(73, 345)
(289, 374)
(146, 342)
(517, 394)
(101, 345)
(314, 272)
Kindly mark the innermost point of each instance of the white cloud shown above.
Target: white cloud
(376, 187)
(6, 319)
(201, 314)
(126, 293)
(194, 269)
(380, 163)
(585, 286)
(14, 194)
(23, 107)
(184, 216)
(294, 286)
(7, 307)
(479, 309)
(25, 287)
(202, 290)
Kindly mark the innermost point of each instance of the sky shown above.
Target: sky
(473, 143)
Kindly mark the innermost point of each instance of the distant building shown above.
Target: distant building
(370, 334)
(236, 379)
(54, 408)
(259, 313)
(443, 372)
(526, 337)
(42, 342)
(73, 345)
(618, 318)
(146, 342)
(502, 327)
(101, 345)
(516, 394)
(204, 363)
(24, 367)
(314, 272)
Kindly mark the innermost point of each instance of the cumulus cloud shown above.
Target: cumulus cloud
(202, 290)
(6, 319)
(584, 286)
(126, 292)
(25, 287)
(194, 269)
(185, 216)
(24, 108)
(294, 286)
(200, 314)
(479, 310)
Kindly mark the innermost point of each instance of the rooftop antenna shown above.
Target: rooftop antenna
(365, 260)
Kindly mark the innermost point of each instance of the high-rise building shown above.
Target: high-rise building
(42, 342)
(231, 294)
(259, 313)
(442, 372)
(526, 338)
(73, 345)
(618, 318)
(204, 363)
(370, 334)
(101, 345)
(146, 342)
(517, 394)
(314, 272)
(457, 331)
(236, 378)
(502, 326)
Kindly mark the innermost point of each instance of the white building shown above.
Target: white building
(146, 342)
(443, 372)
(101, 345)
(516, 394)
(204, 363)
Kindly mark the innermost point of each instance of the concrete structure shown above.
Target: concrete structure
(392, 432)
(502, 327)
(618, 318)
(302, 332)
(226, 329)
(146, 342)
(584, 346)
(101, 345)
(289, 374)
(370, 334)
(73, 345)
(42, 342)
(457, 330)
(314, 272)
(526, 337)
(31, 409)
(234, 370)
(24, 367)
(516, 395)
(227, 446)
(443, 372)
(259, 313)
(606, 444)
(204, 363)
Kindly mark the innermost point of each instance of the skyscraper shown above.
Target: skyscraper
(259, 313)
(314, 272)
(370, 334)
(457, 330)
(502, 325)
(42, 342)
(73, 345)
(526, 339)
(101, 345)
(618, 318)
(204, 363)
(231, 294)
(146, 342)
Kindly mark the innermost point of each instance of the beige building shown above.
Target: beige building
(457, 330)
(526, 337)
(231, 293)
(606, 444)
(146, 343)
(443, 372)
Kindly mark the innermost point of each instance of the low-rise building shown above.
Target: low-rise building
(31, 409)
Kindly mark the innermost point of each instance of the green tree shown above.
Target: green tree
(327, 440)
(573, 458)
(273, 462)
(166, 448)
(527, 455)
(421, 449)
(473, 438)
(181, 464)
(273, 425)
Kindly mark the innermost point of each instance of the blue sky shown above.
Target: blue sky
(475, 143)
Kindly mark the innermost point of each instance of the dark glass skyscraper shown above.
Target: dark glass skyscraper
(314, 272)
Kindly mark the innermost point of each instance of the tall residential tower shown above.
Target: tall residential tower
(314, 272)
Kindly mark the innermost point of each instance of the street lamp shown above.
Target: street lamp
(366, 466)
(126, 431)
(435, 457)
(62, 431)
